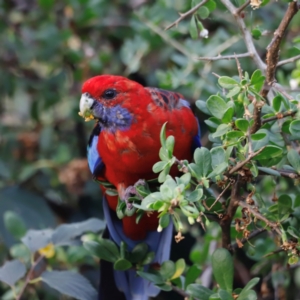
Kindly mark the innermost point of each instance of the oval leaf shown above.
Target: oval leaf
(12, 271)
(104, 249)
(71, 284)
(217, 106)
(222, 265)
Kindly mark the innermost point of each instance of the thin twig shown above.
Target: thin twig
(273, 252)
(278, 116)
(245, 240)
(225, 222)
(166, 37)
(257, 106)
(289, 60)
(28, 277)
(219, 57)
(180, 292)
(278, 87)
(238, 66)
(242, 7)
(259, 216)
(273, 47)
(246, 35)
(220, 195)
(283, 173)
(186, 14)
(242, 163)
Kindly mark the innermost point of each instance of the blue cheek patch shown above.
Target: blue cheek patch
(113, 118)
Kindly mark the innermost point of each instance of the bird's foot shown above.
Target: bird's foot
(130, 191)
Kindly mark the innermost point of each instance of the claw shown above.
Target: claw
(125, 193)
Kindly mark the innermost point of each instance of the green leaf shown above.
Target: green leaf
(164, 173)
(104, 249)
(219, 169)
(234, 135)
(195, 195)
(185, 179)
(256, 77)
(122, 264)
(294, 159)
(224, 295)
(260, 139)
(203, 12)
(138, 253)
(227, 118)
(167, 269)
(211, 5)
(165, 287)
(269, 171)
(257, 80)
(202, 106)
(164, 220)
(198, 291)
(221, 130)
(247, 295)
(227, 82)
(242, 124)
(217, 156)
(295, 128)
(12, 271)
(163, 135)
(233, 92)
(195, 170)
(213, 123)
(253, 282)
(285, 204)
(217, 106)
(286, 126)
(159, 166)
(155, 278)
(166, 191)
(269, 152)
(222, 265)
(170, 142)
(148, 259)
(193, 28)
(180, 267)
(14, 224)
(70, 283)
(293, 232)
(192, 274)
(202, 158)
(276, 103)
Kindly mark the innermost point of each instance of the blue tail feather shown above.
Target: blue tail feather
(133, 286)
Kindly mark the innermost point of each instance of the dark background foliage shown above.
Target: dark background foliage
(49, 48)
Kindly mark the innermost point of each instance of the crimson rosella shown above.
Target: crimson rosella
(123, 147)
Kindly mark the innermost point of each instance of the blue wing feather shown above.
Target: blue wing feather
(196, 139)
(94, 159)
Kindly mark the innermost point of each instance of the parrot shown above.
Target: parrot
(122, 149)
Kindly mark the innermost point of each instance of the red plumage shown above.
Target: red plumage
(129, 154)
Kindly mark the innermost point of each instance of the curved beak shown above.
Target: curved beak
(85, 107)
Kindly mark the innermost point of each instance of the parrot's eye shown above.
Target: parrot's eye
(109, 94)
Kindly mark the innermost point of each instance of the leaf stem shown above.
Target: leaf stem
(29, 274)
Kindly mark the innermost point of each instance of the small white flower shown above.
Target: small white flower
(294, 84)
(204, 33)
(159, 228)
